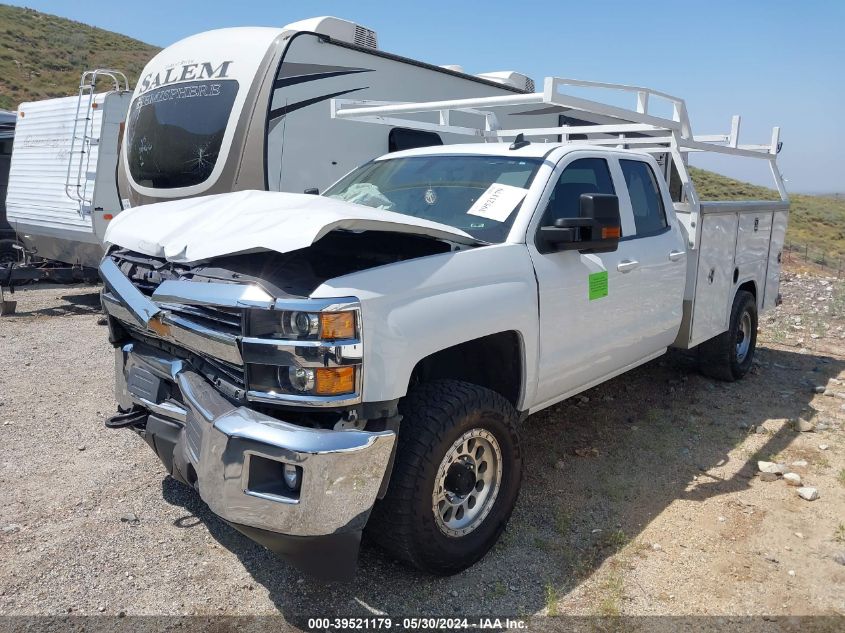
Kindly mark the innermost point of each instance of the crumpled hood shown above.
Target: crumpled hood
(194, 229)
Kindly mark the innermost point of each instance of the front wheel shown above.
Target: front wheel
(729, 356)
(456, 477)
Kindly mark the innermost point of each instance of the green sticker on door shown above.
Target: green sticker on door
(597, 285)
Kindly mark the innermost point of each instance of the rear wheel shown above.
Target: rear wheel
(729, 356)
(455, 480)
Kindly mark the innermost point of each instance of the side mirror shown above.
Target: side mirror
(313, 191)
(597, 230)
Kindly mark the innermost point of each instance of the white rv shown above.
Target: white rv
(62, 189)
(249, 108)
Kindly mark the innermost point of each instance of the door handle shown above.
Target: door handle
(676, 255)
(627, 265)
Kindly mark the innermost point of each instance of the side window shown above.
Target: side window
(646, 201)
(403, 138)
(585, 175)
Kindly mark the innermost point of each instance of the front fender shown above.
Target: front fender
(415, 308)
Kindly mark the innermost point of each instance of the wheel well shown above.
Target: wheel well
(749, 286)
(493, 361)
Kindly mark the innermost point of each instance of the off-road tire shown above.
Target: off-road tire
(435, 414)
(717, 357)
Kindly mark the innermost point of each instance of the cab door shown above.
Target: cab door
(589, 324)
(658, 246)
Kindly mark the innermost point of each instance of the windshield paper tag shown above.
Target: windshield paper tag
(597, 283)
(497, 202)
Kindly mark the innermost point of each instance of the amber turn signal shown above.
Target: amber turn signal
(611, 232)
(332, 381)
(337, 325)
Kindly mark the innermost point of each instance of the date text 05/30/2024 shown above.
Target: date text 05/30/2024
(416, 624)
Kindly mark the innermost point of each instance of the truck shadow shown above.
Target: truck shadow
(599, 468)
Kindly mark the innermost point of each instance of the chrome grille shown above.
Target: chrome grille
(229, 320)
(234, 373)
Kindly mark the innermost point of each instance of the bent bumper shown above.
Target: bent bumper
(234, 456)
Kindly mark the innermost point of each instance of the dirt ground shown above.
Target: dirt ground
(640, 497)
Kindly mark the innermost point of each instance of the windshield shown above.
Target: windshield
(477, 194)
(174, 133)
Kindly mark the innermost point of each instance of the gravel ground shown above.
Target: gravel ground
(640, 497)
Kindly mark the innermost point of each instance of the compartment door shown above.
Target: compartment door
(714, 281)
(770, 294)
(752, 243)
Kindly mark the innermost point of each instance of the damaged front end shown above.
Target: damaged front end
(254, 398)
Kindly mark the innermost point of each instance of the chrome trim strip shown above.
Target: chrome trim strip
(141, 308)
(203, 340)
(334, 304)
(315, 402)
(266, 496)
(213, 294)
(301, 353)
(167, 409)
(181, 331)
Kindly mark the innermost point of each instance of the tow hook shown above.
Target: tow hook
(136, 416)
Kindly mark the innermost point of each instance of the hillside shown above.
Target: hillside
(814, 221)
(42, 55)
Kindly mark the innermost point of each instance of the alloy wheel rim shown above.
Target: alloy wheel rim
(467, 483)
(743, 341)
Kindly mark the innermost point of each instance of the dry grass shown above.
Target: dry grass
(815, 221)
(42, 55)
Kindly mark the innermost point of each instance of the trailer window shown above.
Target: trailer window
(646, 199)
(404, 138)
(174, 133)
(442, 189)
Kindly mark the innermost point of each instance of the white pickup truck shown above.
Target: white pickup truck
(318, 365)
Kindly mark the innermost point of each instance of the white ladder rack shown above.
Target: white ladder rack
(76, 187)
(635, 127)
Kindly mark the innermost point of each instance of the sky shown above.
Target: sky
(774, 62)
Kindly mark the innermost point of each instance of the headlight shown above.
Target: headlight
(322, 381)
(301, 326)
(305, 352)
(300, 378)
(315, 381)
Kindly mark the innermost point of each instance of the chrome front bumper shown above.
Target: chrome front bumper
(216, 446)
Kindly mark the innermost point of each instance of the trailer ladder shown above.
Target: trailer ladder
(82, 140)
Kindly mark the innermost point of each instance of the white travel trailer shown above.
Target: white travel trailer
(249, 108)
(62, 189)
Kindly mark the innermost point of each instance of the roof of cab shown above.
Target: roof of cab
(532, 150)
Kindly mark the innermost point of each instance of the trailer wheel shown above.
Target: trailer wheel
(8, 252)
(729, 355)
(456, 477)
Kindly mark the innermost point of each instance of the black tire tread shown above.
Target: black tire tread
(715, 356)
(429, 411)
